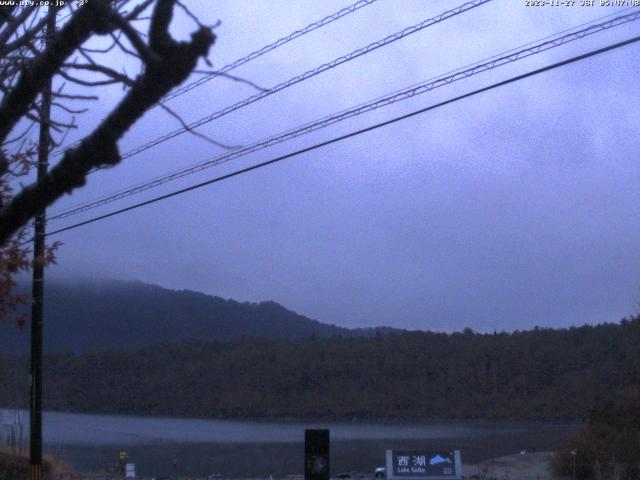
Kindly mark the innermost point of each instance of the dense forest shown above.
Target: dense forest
(542, 373)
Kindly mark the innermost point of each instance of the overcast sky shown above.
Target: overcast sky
(514, 208)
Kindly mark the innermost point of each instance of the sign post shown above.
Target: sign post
(316, 454)
(130, 470)
(424, 465)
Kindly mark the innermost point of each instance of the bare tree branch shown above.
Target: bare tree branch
(159, 37)
(189, 13)
(14, 23)
(92, 18)
(98, 50)
(232, 77)
(6, 14)
(170, 64)
(75, 96)
(24, 38)
(87, 83)
(196, 133)
(116, 40)
(133, 15)
(133, 37)
(69, 110)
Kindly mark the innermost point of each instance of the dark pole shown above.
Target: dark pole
(37, 291)
(316, 454)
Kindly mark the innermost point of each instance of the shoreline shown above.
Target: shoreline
(251, 460)
(391, 421)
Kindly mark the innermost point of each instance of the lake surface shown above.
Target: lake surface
(88, 429)
(186, 446)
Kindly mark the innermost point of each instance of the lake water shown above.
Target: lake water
(256, 448)
(88, 429)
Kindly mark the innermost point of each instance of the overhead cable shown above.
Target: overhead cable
(352, 134)
(404, 94)
(309, 74)
(252, 56)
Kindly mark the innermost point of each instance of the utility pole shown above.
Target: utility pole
(37, 291)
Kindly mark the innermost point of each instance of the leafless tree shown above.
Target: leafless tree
(28, 63)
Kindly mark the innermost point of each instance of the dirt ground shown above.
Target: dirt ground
(526, 466)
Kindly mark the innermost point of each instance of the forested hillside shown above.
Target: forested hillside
(102, 314)
(543, 373)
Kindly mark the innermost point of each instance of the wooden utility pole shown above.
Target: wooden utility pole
(37, 291)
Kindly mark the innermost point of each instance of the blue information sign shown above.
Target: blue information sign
(422, 464)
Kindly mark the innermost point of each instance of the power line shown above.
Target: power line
(251, 56)
(309, 74)
(354, 54)
(355, 133)
(409, 92)
(495, 61)
(272, 46)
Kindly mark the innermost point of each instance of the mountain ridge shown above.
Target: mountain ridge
(81, 316)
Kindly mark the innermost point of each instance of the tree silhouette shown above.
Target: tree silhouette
(28, 63)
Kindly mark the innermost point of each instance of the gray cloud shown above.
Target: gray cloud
(508, 210)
